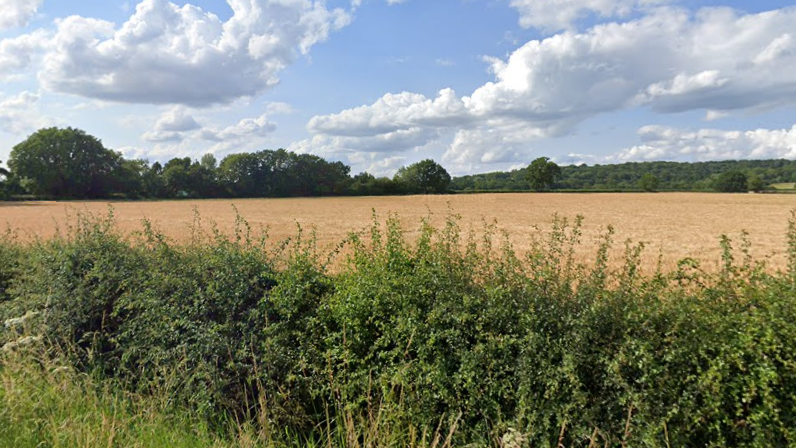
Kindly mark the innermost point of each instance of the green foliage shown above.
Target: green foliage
(453, 328)
(755, 183)
(697, 176)
(68, 163)
(65, 163)
(648, 182)
(424, 177)
(731, 182)
(10, 257)
(4, 173)
(542, 173)
(367, 184)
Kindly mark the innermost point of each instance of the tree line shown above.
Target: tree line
(69, 163)
(724, 176)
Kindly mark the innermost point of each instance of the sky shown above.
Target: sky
(477, 85)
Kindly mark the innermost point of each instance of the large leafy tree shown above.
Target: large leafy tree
(65, 163)
(424, 177)
(731, 182)
(242, 175)
(648, 182)
(542, 173)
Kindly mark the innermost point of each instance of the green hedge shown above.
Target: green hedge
(455, 325)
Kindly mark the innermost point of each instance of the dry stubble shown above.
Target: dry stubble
(677, 225)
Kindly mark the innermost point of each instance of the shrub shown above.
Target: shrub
(452, 330)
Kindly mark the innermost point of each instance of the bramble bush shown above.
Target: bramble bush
(454, 330)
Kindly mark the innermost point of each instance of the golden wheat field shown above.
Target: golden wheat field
(672, 225)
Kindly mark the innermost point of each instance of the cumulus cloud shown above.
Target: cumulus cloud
(717, 60)
(19, 115)
(378, 166)
(176, 131)
(171, 54)
(472, 149)
(391, 113)
(162, 136)
(20, 101)
(667, 143)
(17, 53)
(171, 126)
(17, 13)
(193, 141)
(176, 120)
(553, 15)
(376, 154)
(388, 142)
(248, 127)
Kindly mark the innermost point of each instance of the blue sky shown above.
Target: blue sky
(478, 85)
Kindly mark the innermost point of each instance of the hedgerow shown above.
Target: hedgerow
(452, 330)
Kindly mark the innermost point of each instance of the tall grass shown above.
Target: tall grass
(235, 340)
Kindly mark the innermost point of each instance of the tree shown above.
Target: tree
(648, 182)
(129, 179)
(65, 163)
(209, 162)
(755, 183)
(542, 173)
(731, 182)
(242, 175)
(153, 183)
(3, 175)
(176, 177)
(424, 177)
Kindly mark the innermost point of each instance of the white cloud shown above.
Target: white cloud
(376, 164)
(667, 61)
(683, 84)
(176, 131)
(177, 128)
(391, 113)
(17, 53)
(474, 149)
(389, 142)
(375, 154)
(19, 114)
(171, 126)
(170, 54)
(781, 47)
(248, 127)
(176, 120)
(713, 115)
(17, 13)
(553, 15)
(162, 136)
(666, 143)
(21, 101)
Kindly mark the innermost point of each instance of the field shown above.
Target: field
(113, 341)
(672, 225)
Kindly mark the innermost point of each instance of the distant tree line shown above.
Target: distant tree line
(69, 163)
(726, 176)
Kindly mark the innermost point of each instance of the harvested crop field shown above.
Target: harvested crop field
(672, 225)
